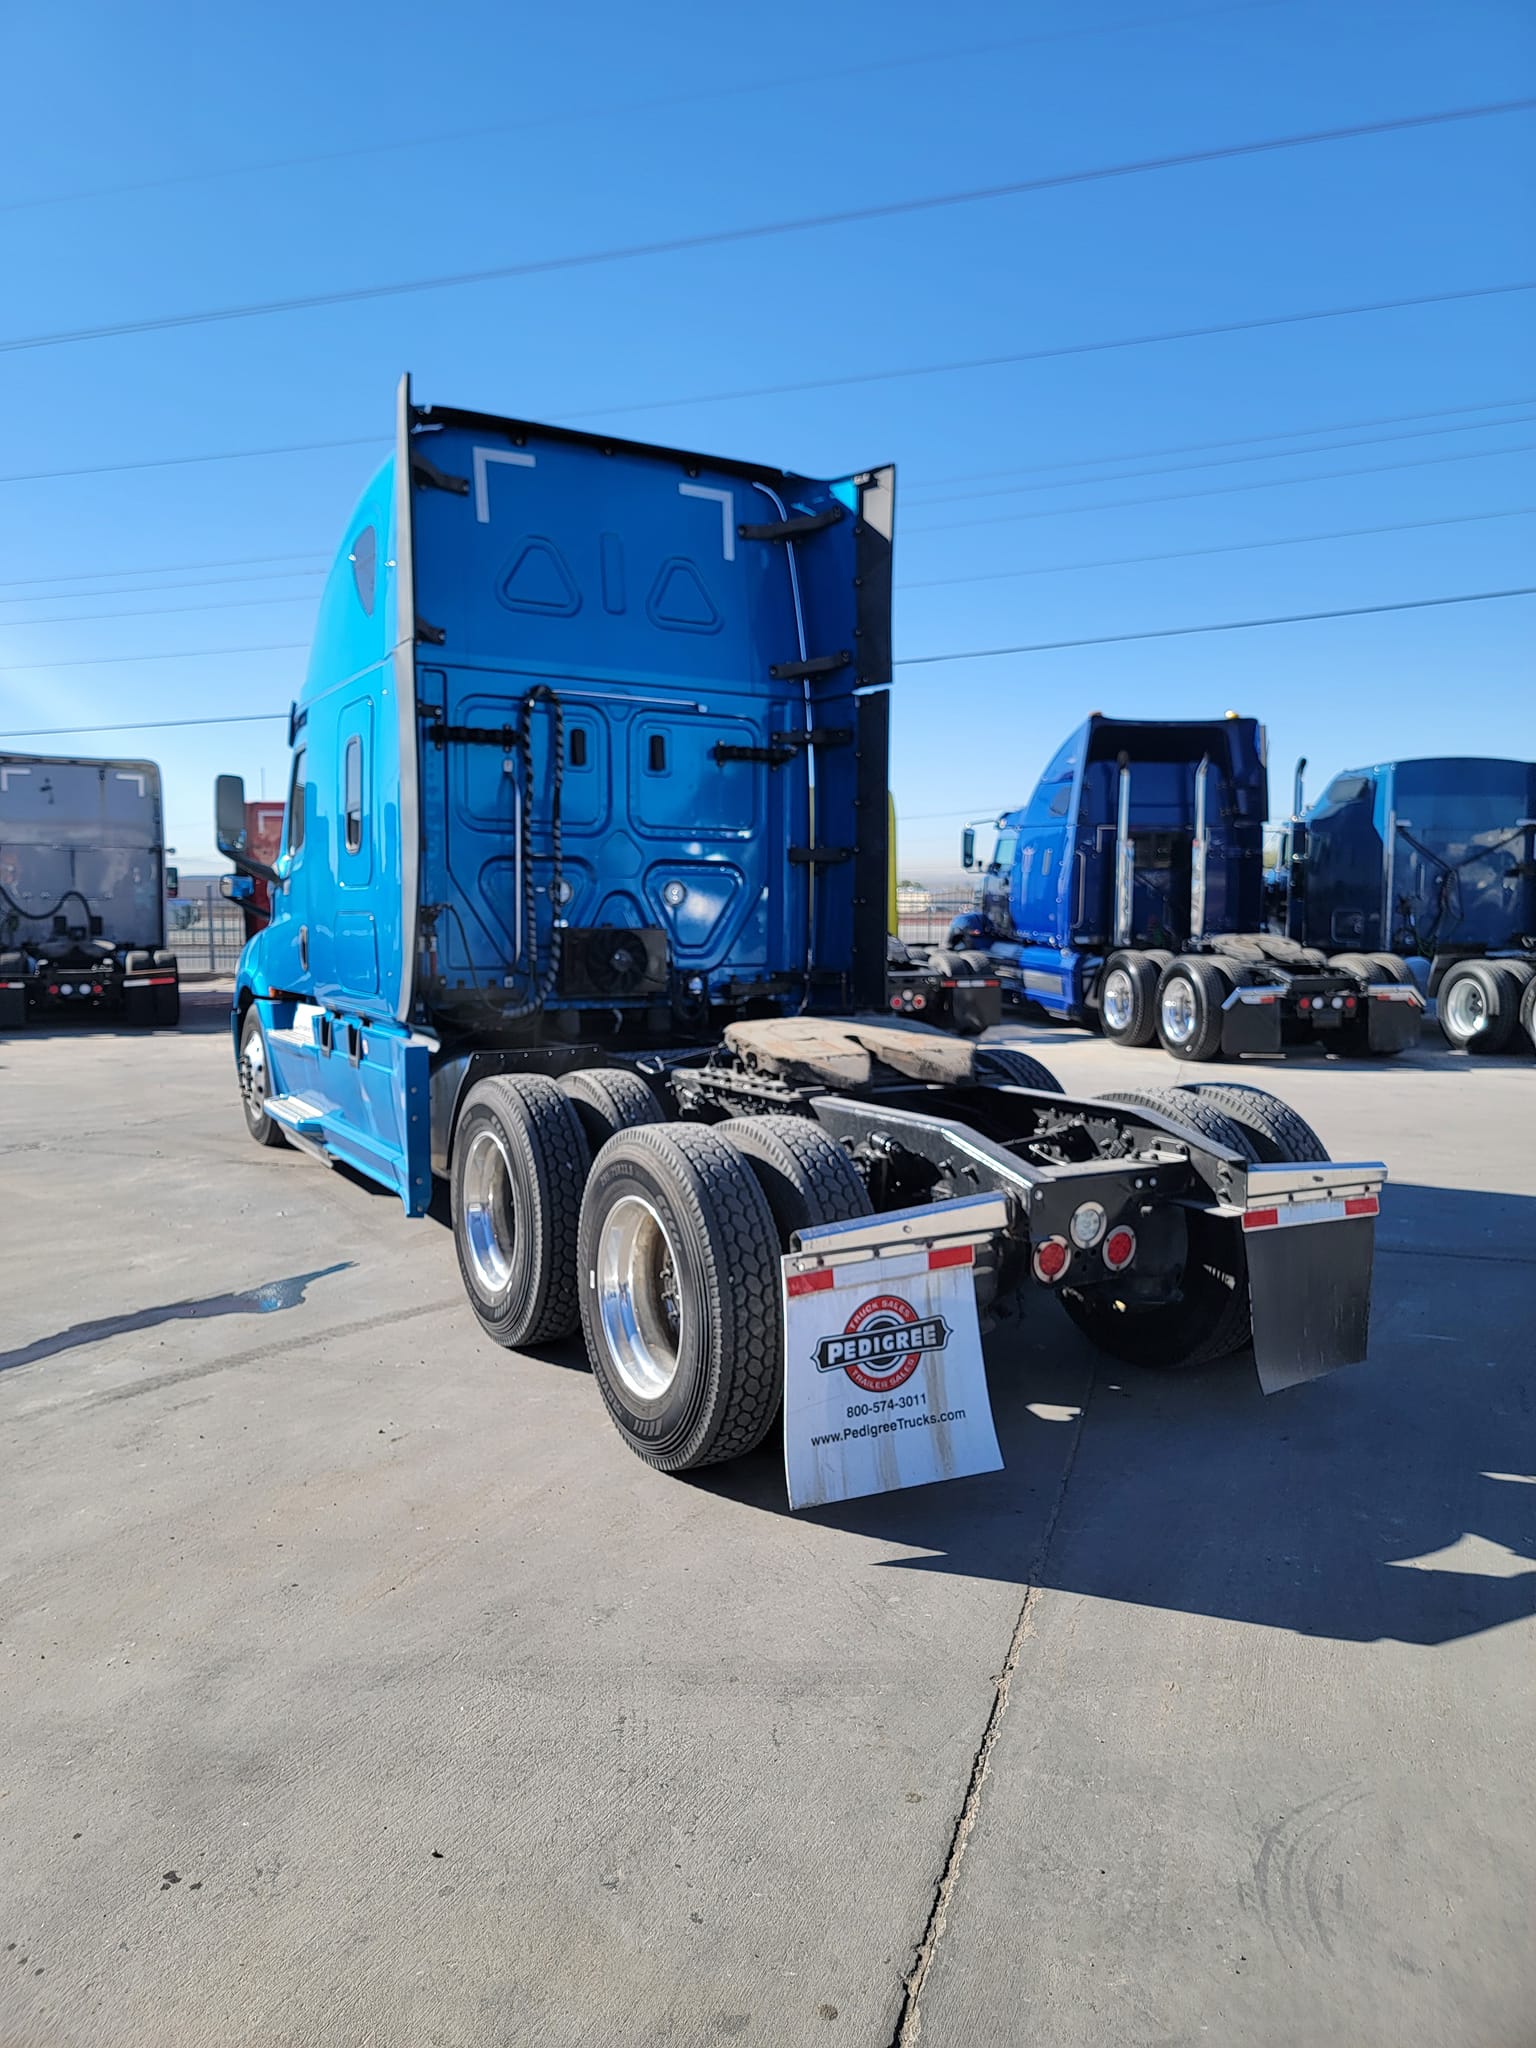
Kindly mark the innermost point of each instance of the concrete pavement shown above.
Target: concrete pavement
(360, 1687)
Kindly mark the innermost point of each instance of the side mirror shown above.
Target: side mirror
(968, 847)
(173, 881)
(229, 827)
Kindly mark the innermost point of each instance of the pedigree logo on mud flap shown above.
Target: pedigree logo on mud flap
(882, 1343)
(884, 1384)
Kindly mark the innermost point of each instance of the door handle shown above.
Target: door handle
(304, 947)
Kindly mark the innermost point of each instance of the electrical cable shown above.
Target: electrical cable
(160, 569)
(178, 654)
(1268, 483)
(1059, 352)
(1088, 483)
(758, 231)
(1033, 469)
(1234, 547)
(165, 611)
(657, 104)
(1388, 419)
(1358, 611)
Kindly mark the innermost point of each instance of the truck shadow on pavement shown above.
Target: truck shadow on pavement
(1394, 1500)
(267, 1299)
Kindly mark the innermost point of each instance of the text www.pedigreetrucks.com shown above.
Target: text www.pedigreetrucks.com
(843, 1436)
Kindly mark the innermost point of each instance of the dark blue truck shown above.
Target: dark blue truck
(584, 866)
(1129, 893)
(1435, 860)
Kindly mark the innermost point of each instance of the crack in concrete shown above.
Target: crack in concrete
(909, 2021)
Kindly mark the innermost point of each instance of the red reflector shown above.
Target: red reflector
(811, 1283)
(1349, 1002)
(1051, 1259)
(1261, 1219)
(53, 988)
(1119, 1249)
(1361, 1205)
(946, 984)
(952, 1255)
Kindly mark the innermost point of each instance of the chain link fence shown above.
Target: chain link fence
(923, 916)
(205, 932)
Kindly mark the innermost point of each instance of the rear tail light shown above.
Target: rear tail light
(919, 1002)
(895, 1002)
(1119, 1248)
(53, 988)
(1052, 1257)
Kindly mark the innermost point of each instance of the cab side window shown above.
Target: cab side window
(1002, 853)
(295, 839)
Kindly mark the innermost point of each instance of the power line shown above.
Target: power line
(1235, 547)
(1075, 348)
(1268, 483)
(764, 230)
(165, 611)
(59, 732)
(160, 569)
(1360, 611)
(1389, 419)
(1080, 483)
(143, 589)
(34, 476)
(926, 583)
(906, 661)
(574, 116)
(1039, 468)
(17, 668)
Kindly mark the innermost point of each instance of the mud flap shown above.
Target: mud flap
(1392, 1017)
(1310, 1287)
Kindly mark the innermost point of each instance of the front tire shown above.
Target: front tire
(520, 1161)
(255, 1071)
(680, 1300)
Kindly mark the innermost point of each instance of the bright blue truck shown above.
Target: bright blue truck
(1129, 893)
(585, 865)
(1435, 860)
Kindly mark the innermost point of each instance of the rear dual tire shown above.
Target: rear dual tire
(1212, 1317)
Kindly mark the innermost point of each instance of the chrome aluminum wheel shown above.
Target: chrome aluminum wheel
(253, 1073)
(638, 1308)
(485, 1203)
(1177, 1006)
(1119, 999)
(1466, 1008)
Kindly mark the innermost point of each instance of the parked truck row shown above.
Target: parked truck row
(1130, 893)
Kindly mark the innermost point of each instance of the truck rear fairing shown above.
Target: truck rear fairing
(587, 689)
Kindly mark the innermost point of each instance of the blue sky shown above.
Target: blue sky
(618, 125)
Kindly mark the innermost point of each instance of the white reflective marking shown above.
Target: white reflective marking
(7, 773)
(125, 775)
(1473, 1556)
(1048, 1411)
(1513, 1478)
(483, 458)
(727, 506)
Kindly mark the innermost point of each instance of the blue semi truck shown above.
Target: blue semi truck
(584, 864)
(1436, 861)
(1129, 893)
